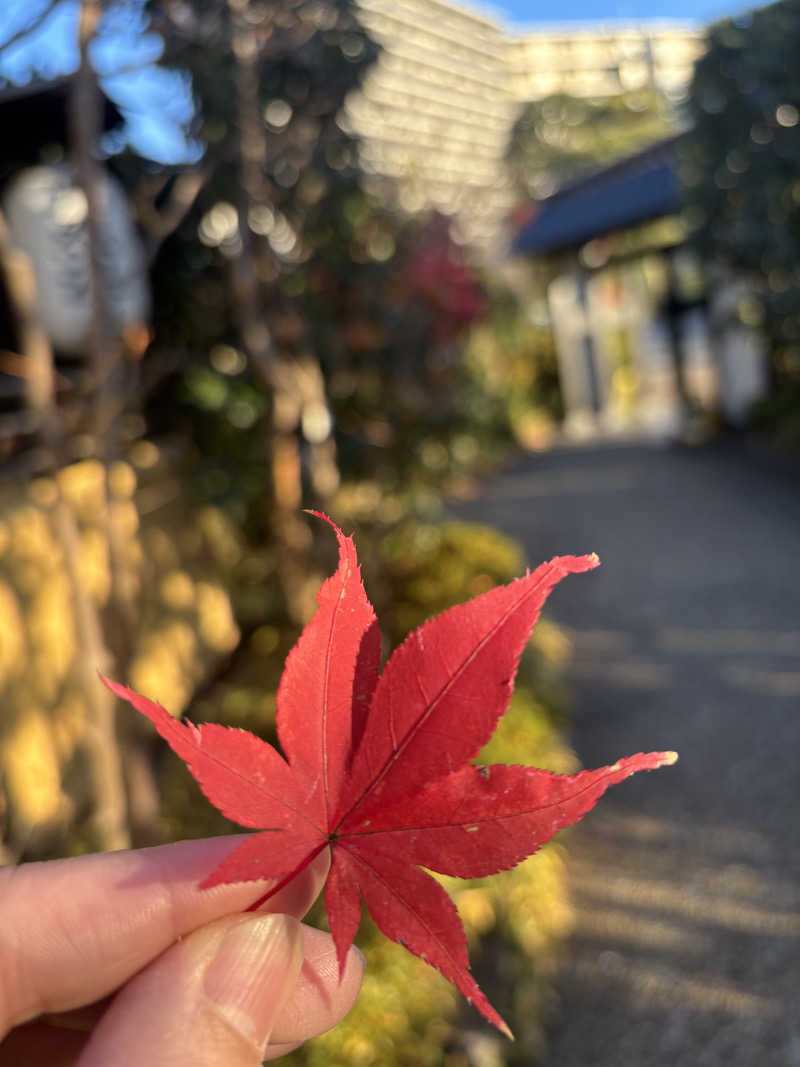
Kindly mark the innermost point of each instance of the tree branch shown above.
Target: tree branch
(160, 223)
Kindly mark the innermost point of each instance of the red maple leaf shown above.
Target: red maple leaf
(376, 765)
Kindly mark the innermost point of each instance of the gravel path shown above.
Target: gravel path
(686, 882)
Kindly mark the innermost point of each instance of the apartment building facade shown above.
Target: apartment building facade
(436, 110)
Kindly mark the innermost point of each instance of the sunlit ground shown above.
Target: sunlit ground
(686, 883)
(690, 935)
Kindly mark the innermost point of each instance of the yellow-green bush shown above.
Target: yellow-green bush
(175, 565)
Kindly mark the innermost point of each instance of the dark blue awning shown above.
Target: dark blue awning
(631, 191)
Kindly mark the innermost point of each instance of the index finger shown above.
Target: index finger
(74, 930)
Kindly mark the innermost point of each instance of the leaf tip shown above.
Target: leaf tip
(576, 564)
(345, 542)
(584, 563)
(118, 690)
(317, 514)
(325, 518)
(668, 758)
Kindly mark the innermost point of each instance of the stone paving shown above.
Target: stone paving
(686, 882)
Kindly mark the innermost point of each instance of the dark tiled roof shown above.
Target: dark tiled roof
(632, 191)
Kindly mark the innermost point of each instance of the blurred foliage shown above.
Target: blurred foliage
(560, 136)
(513, 368)
(394, 346)
(778, 416)
(280, 211)
(407, 1014)
(740, 167)
(383, 303)
(393, 339)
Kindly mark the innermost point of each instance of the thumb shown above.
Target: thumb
(211, 998)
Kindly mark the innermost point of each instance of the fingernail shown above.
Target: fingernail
(253, 972)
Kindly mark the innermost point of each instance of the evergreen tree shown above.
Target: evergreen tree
(741, 166)
(279, 179)
(560, 136)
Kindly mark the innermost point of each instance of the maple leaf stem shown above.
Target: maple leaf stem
(285, 881)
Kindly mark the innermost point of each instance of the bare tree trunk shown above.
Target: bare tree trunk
(673, 308)
(108, 369)
(8, 855)
(297, 385)
(108, 385)
(285, 467)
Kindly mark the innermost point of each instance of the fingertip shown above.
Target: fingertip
(321, 998)
(214, 996)
(211, 998)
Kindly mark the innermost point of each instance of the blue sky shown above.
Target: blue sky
(528, 12)
(157, 103)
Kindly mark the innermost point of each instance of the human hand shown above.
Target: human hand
(117, 959)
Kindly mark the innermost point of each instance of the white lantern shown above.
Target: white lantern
(47, 219)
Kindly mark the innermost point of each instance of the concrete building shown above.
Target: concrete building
(603, 60)
(437, 108)
(648, 336)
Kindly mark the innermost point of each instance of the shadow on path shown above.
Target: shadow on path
(686, 882)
